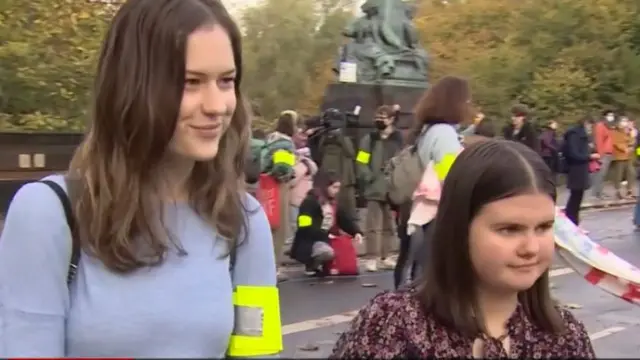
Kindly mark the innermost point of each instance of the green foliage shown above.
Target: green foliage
(562, 57)
(288, 45)
(47, 55)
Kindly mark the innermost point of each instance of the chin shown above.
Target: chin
(205, 154)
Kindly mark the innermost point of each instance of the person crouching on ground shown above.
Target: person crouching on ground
(319, 219)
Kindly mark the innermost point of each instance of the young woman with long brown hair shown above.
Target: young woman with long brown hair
(162, 238)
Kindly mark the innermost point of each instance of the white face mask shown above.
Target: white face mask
(610, 118)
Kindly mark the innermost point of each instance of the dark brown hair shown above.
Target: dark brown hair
(447, 101)
(138, 92)
(386, 110)
(520, 110)
(483, 173)
(321, 182)
(287, 122)
(485, 128)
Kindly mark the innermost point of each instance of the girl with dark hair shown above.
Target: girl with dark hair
(485, 290)
(154, 241)
(319, 219)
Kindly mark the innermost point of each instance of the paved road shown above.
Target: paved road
(314, 314)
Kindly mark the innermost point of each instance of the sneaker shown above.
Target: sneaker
(280, 276)
(372, 265)
(387, 264)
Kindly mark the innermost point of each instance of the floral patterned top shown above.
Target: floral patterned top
(394, 325)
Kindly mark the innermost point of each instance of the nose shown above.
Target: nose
(530, 245)
(213, 100)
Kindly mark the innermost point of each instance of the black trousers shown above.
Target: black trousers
(572, 210)
(405, 245)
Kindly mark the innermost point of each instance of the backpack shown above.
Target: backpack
(281, 170)
(75, 243)
(403, 174)
(333, 154)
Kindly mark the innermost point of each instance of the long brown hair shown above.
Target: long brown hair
(448, 101)
(138, 92)
(483, 173)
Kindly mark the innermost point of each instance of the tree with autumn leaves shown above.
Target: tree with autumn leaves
(47, 60)
(561, 57)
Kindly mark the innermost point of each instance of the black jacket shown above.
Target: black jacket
(577, 152)
(306, 236)
(527, 135)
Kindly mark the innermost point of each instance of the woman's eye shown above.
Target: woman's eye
(227, 82)
(544, 228)
(509, 230)
(192, 82)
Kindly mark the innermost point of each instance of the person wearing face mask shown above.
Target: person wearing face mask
(374, 152)
(604, 146)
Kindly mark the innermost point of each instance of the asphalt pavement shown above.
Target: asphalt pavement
(314, 313)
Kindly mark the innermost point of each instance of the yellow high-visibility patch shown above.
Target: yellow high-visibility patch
(304, 221)
(284, 157)
(444, 165)
(258, 329)
(363, 157)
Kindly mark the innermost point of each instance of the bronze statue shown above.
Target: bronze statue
(384, 45)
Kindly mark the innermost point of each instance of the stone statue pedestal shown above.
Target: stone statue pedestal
(346, 96)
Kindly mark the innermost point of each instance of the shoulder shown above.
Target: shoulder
(577, 343)
(380, 328)
(572, 325)
(36, 243)
(310, 201)
(440, 133)
(391, 302)
(442, 137)
(36, 201)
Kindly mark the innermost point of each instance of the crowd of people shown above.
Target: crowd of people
(593, 150)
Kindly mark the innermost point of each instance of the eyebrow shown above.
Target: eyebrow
(200, 73)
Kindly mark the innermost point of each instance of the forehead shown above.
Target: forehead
(520, 209)
(209, 51)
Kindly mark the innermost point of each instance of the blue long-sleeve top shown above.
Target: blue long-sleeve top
(179, 309)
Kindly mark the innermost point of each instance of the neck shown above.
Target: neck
(174, 176)
(387, 131)
(496, 309)
(518, 126)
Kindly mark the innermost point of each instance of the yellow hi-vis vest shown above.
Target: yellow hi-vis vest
(257, 330)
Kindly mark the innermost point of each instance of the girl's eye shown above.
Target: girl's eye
(508, 230)
(193, 82)
(227, 82)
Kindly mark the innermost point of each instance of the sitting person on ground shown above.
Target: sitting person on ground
(319, 219)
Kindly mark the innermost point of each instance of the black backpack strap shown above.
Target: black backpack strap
(71, 222)
(232, 259)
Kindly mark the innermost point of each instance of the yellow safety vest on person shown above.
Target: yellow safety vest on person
(257, 330)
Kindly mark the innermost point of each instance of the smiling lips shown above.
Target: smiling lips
(207, 131)
(525, 267)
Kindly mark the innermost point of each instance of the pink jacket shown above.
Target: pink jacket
(304, 170)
